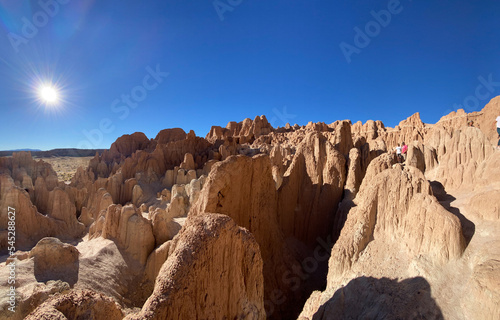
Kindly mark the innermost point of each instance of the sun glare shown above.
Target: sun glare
(48, 95)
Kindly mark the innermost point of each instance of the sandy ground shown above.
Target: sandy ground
(102, 267)
(66, 166)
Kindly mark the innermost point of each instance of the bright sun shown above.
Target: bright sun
(48, 94)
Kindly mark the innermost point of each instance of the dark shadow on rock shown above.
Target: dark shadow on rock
(445, 199)
(66, 273)
(341, 217)
(55, 260)
(372, 298)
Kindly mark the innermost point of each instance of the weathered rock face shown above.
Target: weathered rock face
(170, 135)
(484, 286)
(21, 164)
(165, 157)
(62, 208)
(488, 172)
(389, 206)
(415, 156)
(135, 154)
(82, 304)
(342, 136)
(55, 260)
(354, 174)
(464, 153)
(484, 120)
(61, 222)
(126, 226)
(311, 190)
(246, 131)
(199, 280)
(484, 203)
(99, 200)
(243, 188)
(164, 226)
(39, 293)
(156, 260)
(394, 211)
(409, 130)
(377, 165)
(188, 163)
(126, 145)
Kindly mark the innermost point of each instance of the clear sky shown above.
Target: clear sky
(126, 66)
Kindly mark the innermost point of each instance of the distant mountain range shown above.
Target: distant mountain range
(69, 152)
(17, 150)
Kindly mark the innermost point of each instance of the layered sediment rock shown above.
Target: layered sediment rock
(83, 304)
(396, 221)
(311, 190)
(243, 188)
(214, 270)
(128, 228)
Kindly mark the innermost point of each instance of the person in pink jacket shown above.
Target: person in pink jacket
(404, 149)
(498, 131)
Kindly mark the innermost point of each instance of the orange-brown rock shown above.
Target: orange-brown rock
(55, 260)
(128, 228)
(78, 304)
(488, 172)
(23, 162)
(247, 131)
(396, 222)
(311, 190)
(170, 135)
(354, 174)
(342, 136)
(153, 165)
(243, 188)
(31, 226)
(415, 156)
(466, 150)
(188, 163)
(99, 201)
(213, 271)
(126, 145)
(389, 206)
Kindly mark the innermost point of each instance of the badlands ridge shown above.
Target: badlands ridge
(307, 222)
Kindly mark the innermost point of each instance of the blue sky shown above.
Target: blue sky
(232, 59)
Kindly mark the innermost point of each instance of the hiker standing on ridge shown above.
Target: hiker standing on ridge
(399, 158)
(404, 150)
